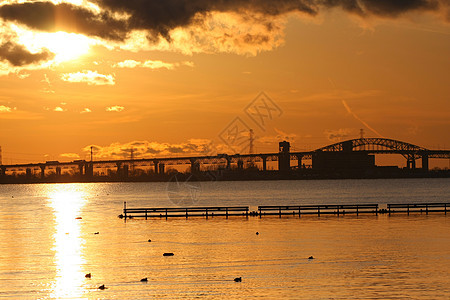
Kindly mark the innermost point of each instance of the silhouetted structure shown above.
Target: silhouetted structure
(347, 159)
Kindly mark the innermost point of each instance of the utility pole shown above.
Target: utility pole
(251, 140)
(1, 156)
(132, 158)
(91, 153)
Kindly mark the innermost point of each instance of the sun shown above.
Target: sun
(65, 46)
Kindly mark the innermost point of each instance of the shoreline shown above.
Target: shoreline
(231, 176)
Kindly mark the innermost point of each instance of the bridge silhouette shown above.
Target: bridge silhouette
(361, 151)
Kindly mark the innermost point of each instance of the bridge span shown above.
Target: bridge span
(351, 153)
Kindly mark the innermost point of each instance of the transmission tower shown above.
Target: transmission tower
(361, 133)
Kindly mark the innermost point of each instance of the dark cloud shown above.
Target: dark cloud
(46, 16)
(160, 17)
(18, 56)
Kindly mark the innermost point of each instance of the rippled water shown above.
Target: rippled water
(46, 251)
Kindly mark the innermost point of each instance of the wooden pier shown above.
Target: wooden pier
(418, 208)
(170, 212)
(334, 209)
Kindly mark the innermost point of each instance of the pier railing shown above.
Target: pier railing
(334, 209)
(166, 212)
(282, 210)
(418, 207)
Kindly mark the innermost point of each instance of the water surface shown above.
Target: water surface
(46, 251)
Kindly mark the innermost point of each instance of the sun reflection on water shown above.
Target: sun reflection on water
(67, 201)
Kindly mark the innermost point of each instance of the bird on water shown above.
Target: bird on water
(88, 275)
(102, 287)
(144, 279)
(238, 279)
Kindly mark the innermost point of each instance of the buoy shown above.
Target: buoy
(144, 279)
(238, 279)
(311, 257)
(102, 287)
(88, 275)
(168, 254)
(257, 233)
(149, 240)
(97, 232)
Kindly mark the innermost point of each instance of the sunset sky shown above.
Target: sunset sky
(170, 77)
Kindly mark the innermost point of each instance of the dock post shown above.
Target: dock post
(207, 213)
(125, 209)
(279, 211)
(166, 213)
(318, 211)
(246, 212)
(338, 210)
(146, 214)
(226, 212)
(357, 212)
(426, 208)
(259, 212)
(389, 208)
(407, 207)
(299, 212)
(186, 213)
(445, 208)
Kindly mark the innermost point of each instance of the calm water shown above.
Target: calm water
(45, 251)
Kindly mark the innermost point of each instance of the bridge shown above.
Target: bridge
(361, 151)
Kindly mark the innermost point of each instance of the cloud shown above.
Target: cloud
(89, 77)
(151, 64)
(147, 149)
(192, 26)
(280, 136)
(59, 109)
(18, 56)
(116, 108)
(50, 17)
(85, 111)
(337, 135)
(70, 155)
(4, 109)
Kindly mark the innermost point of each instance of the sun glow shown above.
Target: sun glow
(65, 46)
(66, 205)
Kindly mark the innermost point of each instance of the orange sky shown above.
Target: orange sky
(331, 72)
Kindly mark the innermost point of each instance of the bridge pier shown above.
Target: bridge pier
(299, 161)
(264, 159)
(42, 171)
(125, 171)
(411, 163)
(195, 166)
(88, 170)
(118, 168)
(240, 164)
(156, 163)
(27, 172)
(284, 157)
(58, 171)
(425, 162)
(81, 169)
(161, 168)
(2, 171)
